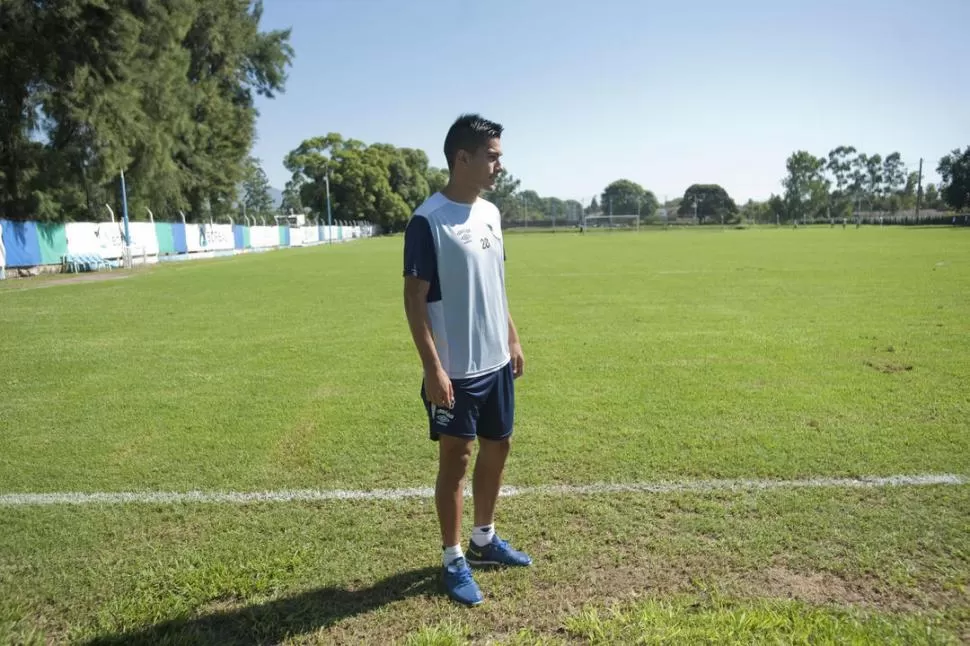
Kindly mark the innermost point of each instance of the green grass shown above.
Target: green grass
(656, 356)
(365, 572)
(689, 621)
(728, 354)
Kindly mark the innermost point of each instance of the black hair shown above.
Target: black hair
(469, 133)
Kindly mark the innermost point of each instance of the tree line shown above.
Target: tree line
(847, 181)
(384, 184)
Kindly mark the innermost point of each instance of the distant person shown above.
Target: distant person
(457, 312)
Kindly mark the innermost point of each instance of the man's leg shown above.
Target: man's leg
(495, 423)
(453, 456)
(454, 430)
(487, 478)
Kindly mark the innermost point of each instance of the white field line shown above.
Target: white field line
(312, 495)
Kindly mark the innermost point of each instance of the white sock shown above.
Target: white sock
(451, 553)
(483, 534)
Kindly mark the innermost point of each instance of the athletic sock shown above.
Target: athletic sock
(449, 554)
(483, 534)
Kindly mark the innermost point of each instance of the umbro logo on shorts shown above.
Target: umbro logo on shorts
(442, 417)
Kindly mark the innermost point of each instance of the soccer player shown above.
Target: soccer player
(456, 307)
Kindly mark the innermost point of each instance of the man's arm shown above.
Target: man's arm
(420, 275)
(438, 387)
(416, 310)
(515, 349)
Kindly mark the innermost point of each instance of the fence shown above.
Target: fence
(33, 247)
(899, 218)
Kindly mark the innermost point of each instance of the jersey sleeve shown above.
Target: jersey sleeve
(420, 259)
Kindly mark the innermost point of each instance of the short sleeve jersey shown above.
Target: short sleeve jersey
(459, 249)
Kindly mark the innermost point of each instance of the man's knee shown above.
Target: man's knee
(454, 456)
(497, 447)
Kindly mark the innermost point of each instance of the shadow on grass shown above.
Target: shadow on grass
(275, 621)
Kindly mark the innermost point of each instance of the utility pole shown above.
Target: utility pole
(124, 213)
(329, 216)
(919, 188)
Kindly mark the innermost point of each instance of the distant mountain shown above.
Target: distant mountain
(277, 196)
(274, 193)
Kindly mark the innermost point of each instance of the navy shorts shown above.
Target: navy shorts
(484, 407)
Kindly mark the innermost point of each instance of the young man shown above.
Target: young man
(454, 298)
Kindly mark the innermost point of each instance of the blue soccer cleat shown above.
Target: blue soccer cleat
(459, 584)
(498, 552)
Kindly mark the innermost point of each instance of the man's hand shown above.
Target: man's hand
(518, 361)
(438, 388)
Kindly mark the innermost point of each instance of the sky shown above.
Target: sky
(664, 93)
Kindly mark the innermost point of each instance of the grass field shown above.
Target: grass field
(673, 356)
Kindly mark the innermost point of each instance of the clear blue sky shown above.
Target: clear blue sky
(664, 93)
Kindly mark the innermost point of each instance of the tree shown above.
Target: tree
(954, 169)
(776, 208)
(553, 207)
(163, 91)
(840, 165)
(292, 202)
(503, 196)
(756, 211)
(931, 198)
(229, 62)
(873, 180)
(907, 197)
(408, 168)
(893, 179)
(625, 197)
(361, 187)
(437, 179)
(377, 183)
(857, 187)
(573, 210)
(806, 188)
(712, 202)
(529, 204)
(256, 196)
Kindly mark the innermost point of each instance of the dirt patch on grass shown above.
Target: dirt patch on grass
(541, 604)
(776, 581)
(72, 280)
(539, 599)
(292, 448)
(889, 367)
(812, 587)
(327, 391)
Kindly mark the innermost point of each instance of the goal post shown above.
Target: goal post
(612, 222)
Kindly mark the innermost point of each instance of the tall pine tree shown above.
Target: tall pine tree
(162, 90)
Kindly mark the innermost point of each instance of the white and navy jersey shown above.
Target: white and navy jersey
(459, 249)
